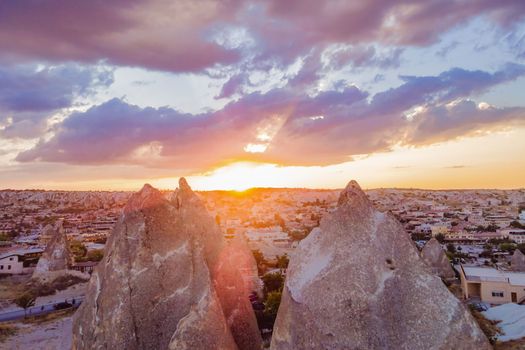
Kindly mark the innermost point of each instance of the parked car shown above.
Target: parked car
(62, 305)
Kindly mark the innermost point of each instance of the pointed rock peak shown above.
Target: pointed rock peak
(183, 185)
(148, 196)
(518, 261)
(431, 242)
(146, 189)
(353, 195)
(185, 194)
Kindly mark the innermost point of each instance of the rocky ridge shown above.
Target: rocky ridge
(517, 262)
(433, 254)
(164, 282)
(56, 258)
(358, 282)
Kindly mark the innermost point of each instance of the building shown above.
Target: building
(85, 267)
(12, 264)
(491, 285)
(515, 234)
(19, 261)
(521, 216)
(269, 235)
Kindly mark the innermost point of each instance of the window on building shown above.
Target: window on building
(497, 294)
(9, 267)
(1, 267)
(11, 259)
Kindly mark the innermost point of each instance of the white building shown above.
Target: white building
(13, 262)
(521, 216)
(516, 234)
(269, 235)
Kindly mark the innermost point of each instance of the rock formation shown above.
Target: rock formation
(517, 262)
(435, 257)
(239, 254)
(56, 257)
(161, 284)
(357, 282)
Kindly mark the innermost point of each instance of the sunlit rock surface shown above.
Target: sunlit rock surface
(160, 284)
(517, 262)
(56, 257)
(435, 257)
(358, 282)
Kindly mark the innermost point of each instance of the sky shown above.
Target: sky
(232, 94)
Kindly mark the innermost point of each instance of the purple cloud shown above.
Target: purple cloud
(29, 94)
(294, 128)
(184, 35)
(161, 34)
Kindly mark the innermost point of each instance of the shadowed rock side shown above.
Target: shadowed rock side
(156, 286)
(357, 282)
(240, 255)
(233, 286)
(517, 262)
(56, 256)
(435, 257)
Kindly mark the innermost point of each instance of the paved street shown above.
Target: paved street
(38, 309)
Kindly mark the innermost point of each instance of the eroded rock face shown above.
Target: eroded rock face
(357, 282)
(159, 285)
(56, 257)
(517, 262)
(240, 255)
(435, 257)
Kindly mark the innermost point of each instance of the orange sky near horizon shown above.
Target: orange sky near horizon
(494, 160)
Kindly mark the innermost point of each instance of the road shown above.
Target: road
(37, 310)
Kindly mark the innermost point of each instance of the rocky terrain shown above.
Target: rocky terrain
(358, 282)
(56, 257)
(166, 282)
(435, 257)
(518, 261)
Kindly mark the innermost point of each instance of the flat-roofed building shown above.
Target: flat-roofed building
(491, 285)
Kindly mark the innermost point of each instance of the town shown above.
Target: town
(481, 233)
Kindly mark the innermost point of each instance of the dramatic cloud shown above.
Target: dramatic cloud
(445, 122)
(162, 34)
(296, 82)
(29, 93)
(312, 23)
(189, 36)
(282, 125)
(35, 89)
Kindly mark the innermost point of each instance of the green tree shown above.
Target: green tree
(440, 238)
(516, 224)
(78, 249)
(95, 255)
(451, 248)
(273, 282)
(283, 261)
(25, 301)
(271, 305)
(507, 247)
(260, 260)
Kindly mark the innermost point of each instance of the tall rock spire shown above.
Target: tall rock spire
(357, 282)
(159, 285)
(56, 257)
(517, 262)
(435, 257)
